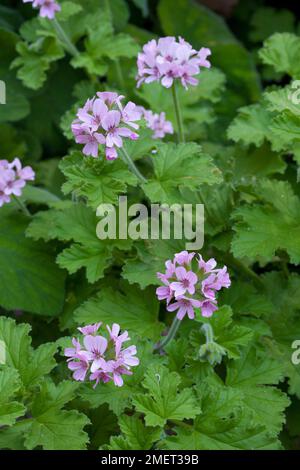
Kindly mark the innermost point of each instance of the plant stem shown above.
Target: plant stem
(119, 74)
(208, 331)
(171, 334)
(22, 206)
(132, 166)
(178, 112)
(65, 38)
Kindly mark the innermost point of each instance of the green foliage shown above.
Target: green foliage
(179, 167)
(98, 180)
(240, 158)
(32, 281)
(163, 401)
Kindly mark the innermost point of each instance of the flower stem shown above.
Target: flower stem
(65, 38)
(178, 112)
(132, 166)
(208, 331)
(120, 74)
(22, 206)
(171, 334)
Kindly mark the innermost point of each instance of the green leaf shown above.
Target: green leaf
(138, 312)
(10, 410)
(151, 258)
(253, 369)
(267, 405)
(37, 195)
(53, 428)
(98, 180)
(35, 59)
(228, 436)
(178, 166)
(248, 375)
(77, 223)
(32, 281)
(102, 44)
(68, 9)
(16, 102)
(251, 125)
(135, 435)
(163, 401)
(223, 425)
(264, 229)
(281, 51)
(31, 364)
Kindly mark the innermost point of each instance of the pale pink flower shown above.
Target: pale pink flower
(103, 121)
(191, 284)
(186, 281)
(96, 347)
(207, 266)
(13, 179)
(47, 8)
(72, 352)
(103, 358)
(80, 365)
(184, 305)
(168, 60)
(184, 257)
(116, 337)
(208, 307)
(90, 329)
(157, 123)
(165, 293)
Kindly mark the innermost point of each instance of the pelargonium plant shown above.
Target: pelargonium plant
(213, 362)
(101, 357)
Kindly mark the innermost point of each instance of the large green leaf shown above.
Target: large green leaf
(31, 280)
(162, 400)
(135, 312)
(178, 166)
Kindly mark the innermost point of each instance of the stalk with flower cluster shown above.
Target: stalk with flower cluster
(104, 121)
(170, 62)
(190, 284)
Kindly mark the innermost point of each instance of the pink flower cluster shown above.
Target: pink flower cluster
(166, 60)
(48, 8)
(103, 120)
(157, 123)
(104, 358)
(13, 179)
(189, 283)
